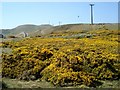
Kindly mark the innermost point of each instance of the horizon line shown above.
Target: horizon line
(62, 24)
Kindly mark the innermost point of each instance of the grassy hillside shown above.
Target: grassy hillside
(38, 30)
(65, 62)
(86, 27)
(30, 29)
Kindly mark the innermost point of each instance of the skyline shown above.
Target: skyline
(37, 13)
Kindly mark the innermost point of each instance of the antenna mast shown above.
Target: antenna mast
(91, 13)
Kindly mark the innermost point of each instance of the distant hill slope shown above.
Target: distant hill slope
(87, 27)
(77, 27)
(28, 28)
(34, 30)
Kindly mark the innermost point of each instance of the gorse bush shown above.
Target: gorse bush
(22, 65)
(11, 37)
(63, 61)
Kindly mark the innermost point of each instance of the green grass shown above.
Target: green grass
(14, 83)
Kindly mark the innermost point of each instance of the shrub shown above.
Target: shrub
(63, 61)
(11, 37)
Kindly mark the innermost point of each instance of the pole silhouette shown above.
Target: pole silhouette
(91, 13)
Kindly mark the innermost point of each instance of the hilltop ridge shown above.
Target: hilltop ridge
(34, 30)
